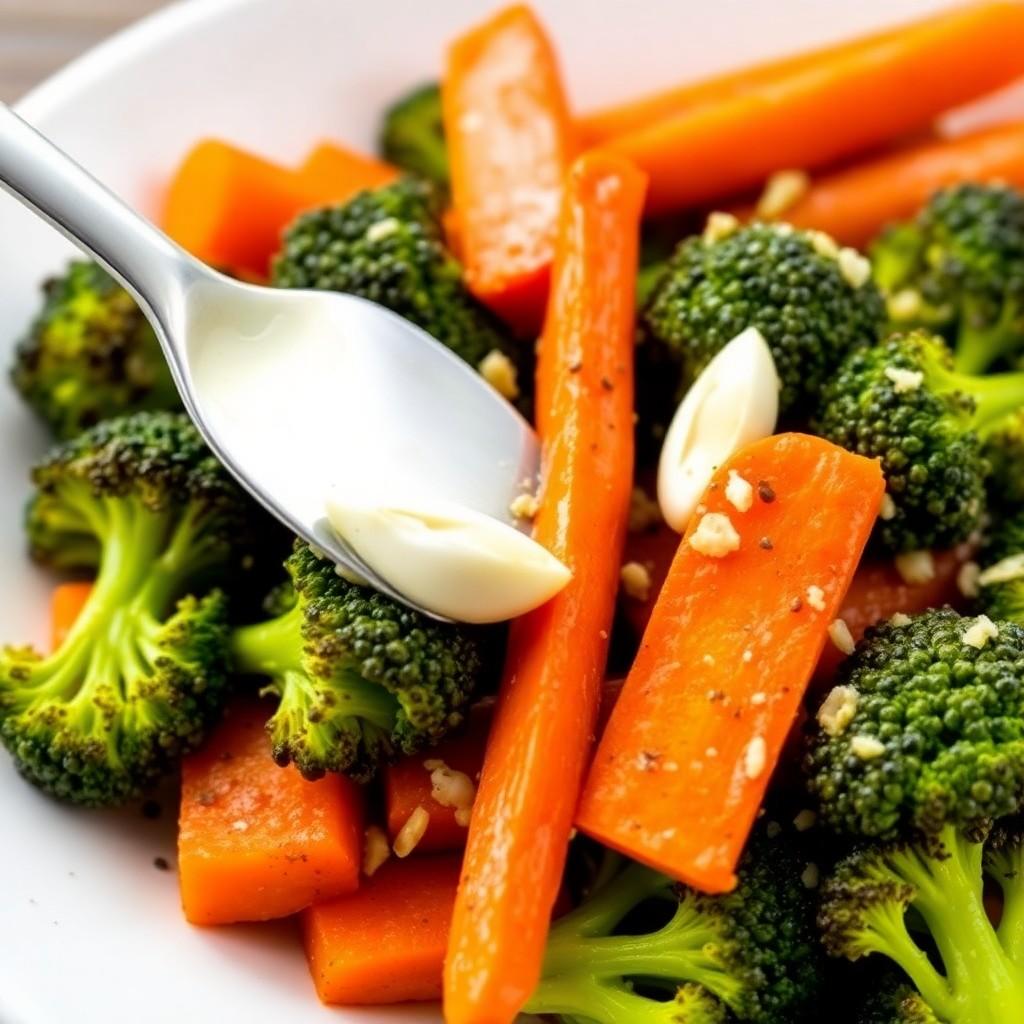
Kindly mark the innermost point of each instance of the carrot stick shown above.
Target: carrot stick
(256, 841)
(510, 140)
(384, 943)
(599, 126)
(336, 172)
(228, 207)
(549, 696)
(65, 605)
(855, 203)
(818, 114)
(682, 767)
(878, 592)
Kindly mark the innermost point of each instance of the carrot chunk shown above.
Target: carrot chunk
(735, 635)
(257, 841)
(510, 140)
(386, 942)
(67, 602)
(336, 172)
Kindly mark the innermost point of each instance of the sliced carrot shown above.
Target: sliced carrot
(853, 204)
(878, 592)
(386, 942)
(510, 140)
(336, 172)
(821, 113)
(228, 207)
(550, 693)
(599, 126)
(67, 602)
(256, 841)
(407, 786)
(682, 767)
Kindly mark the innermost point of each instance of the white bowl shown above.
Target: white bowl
(90, 931)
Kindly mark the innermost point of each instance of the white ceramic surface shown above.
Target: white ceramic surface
(90, 931)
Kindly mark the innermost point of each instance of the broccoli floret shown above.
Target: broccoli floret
(895, 1002)
(387, 245)
(974, 975)
(90, 354)
(959, 267)
(1001, 590)
(412, 135)
(903, 403)
(642, 949)
(789, 284)
(937, 729)
(141, 675)
(361, 679)
(1004, 449)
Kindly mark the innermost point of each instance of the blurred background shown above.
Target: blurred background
(38, 36)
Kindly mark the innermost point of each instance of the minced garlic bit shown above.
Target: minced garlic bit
(854, 267)
(719, 225)
(887, 507)
(824, 244)
(839, 633)
(748, 656)
(838, 709)
(811, 876)
(904, 304)
(715, 536)
(782, 191)
(739, 492)
(773, 830)
(644, 511)
(904, 380)
(979, 632)
(805, 820)
(241, 825)
(816, 598)
(451, 788)
(708, 659)
(915, 567)
(899, 619)
(968, 579)
(381, 229)
(867, 748)
(636, 581)
(500, 372)
(375, 850)
(524, 506)
(411, 832)
(755, 757)
(757, 699)
(1004, 571)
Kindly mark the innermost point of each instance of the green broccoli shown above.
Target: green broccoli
(809, 300)
(903, 403)
(141, 675)
(895, 1002)
(387, 246)
(90, 354)
(645, 950)
(1001, 584)
(959, 267)
(1004, 449)
(361, 679)
(920, 748)
(412, 135)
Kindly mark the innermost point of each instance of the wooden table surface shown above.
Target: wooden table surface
(39, 36)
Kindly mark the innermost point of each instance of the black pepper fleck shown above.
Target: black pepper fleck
(161, 864)
(796, 604)
(765, 543)
(152, 810)
(765, 491)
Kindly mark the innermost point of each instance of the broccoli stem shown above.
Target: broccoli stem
(568, 997)
(1006, 867)
(270, 648)
(995, 396)
(977, 347)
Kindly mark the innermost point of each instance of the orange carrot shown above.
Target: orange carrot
(384, 943)
(67, 601)
(818, 114)
(510, 140)
(549, 696)
(879, 592)
(336, 172)
(256, 841)
(599, 126)
(407, 786)
(682, 767)
(855, 203)
(228, 207)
